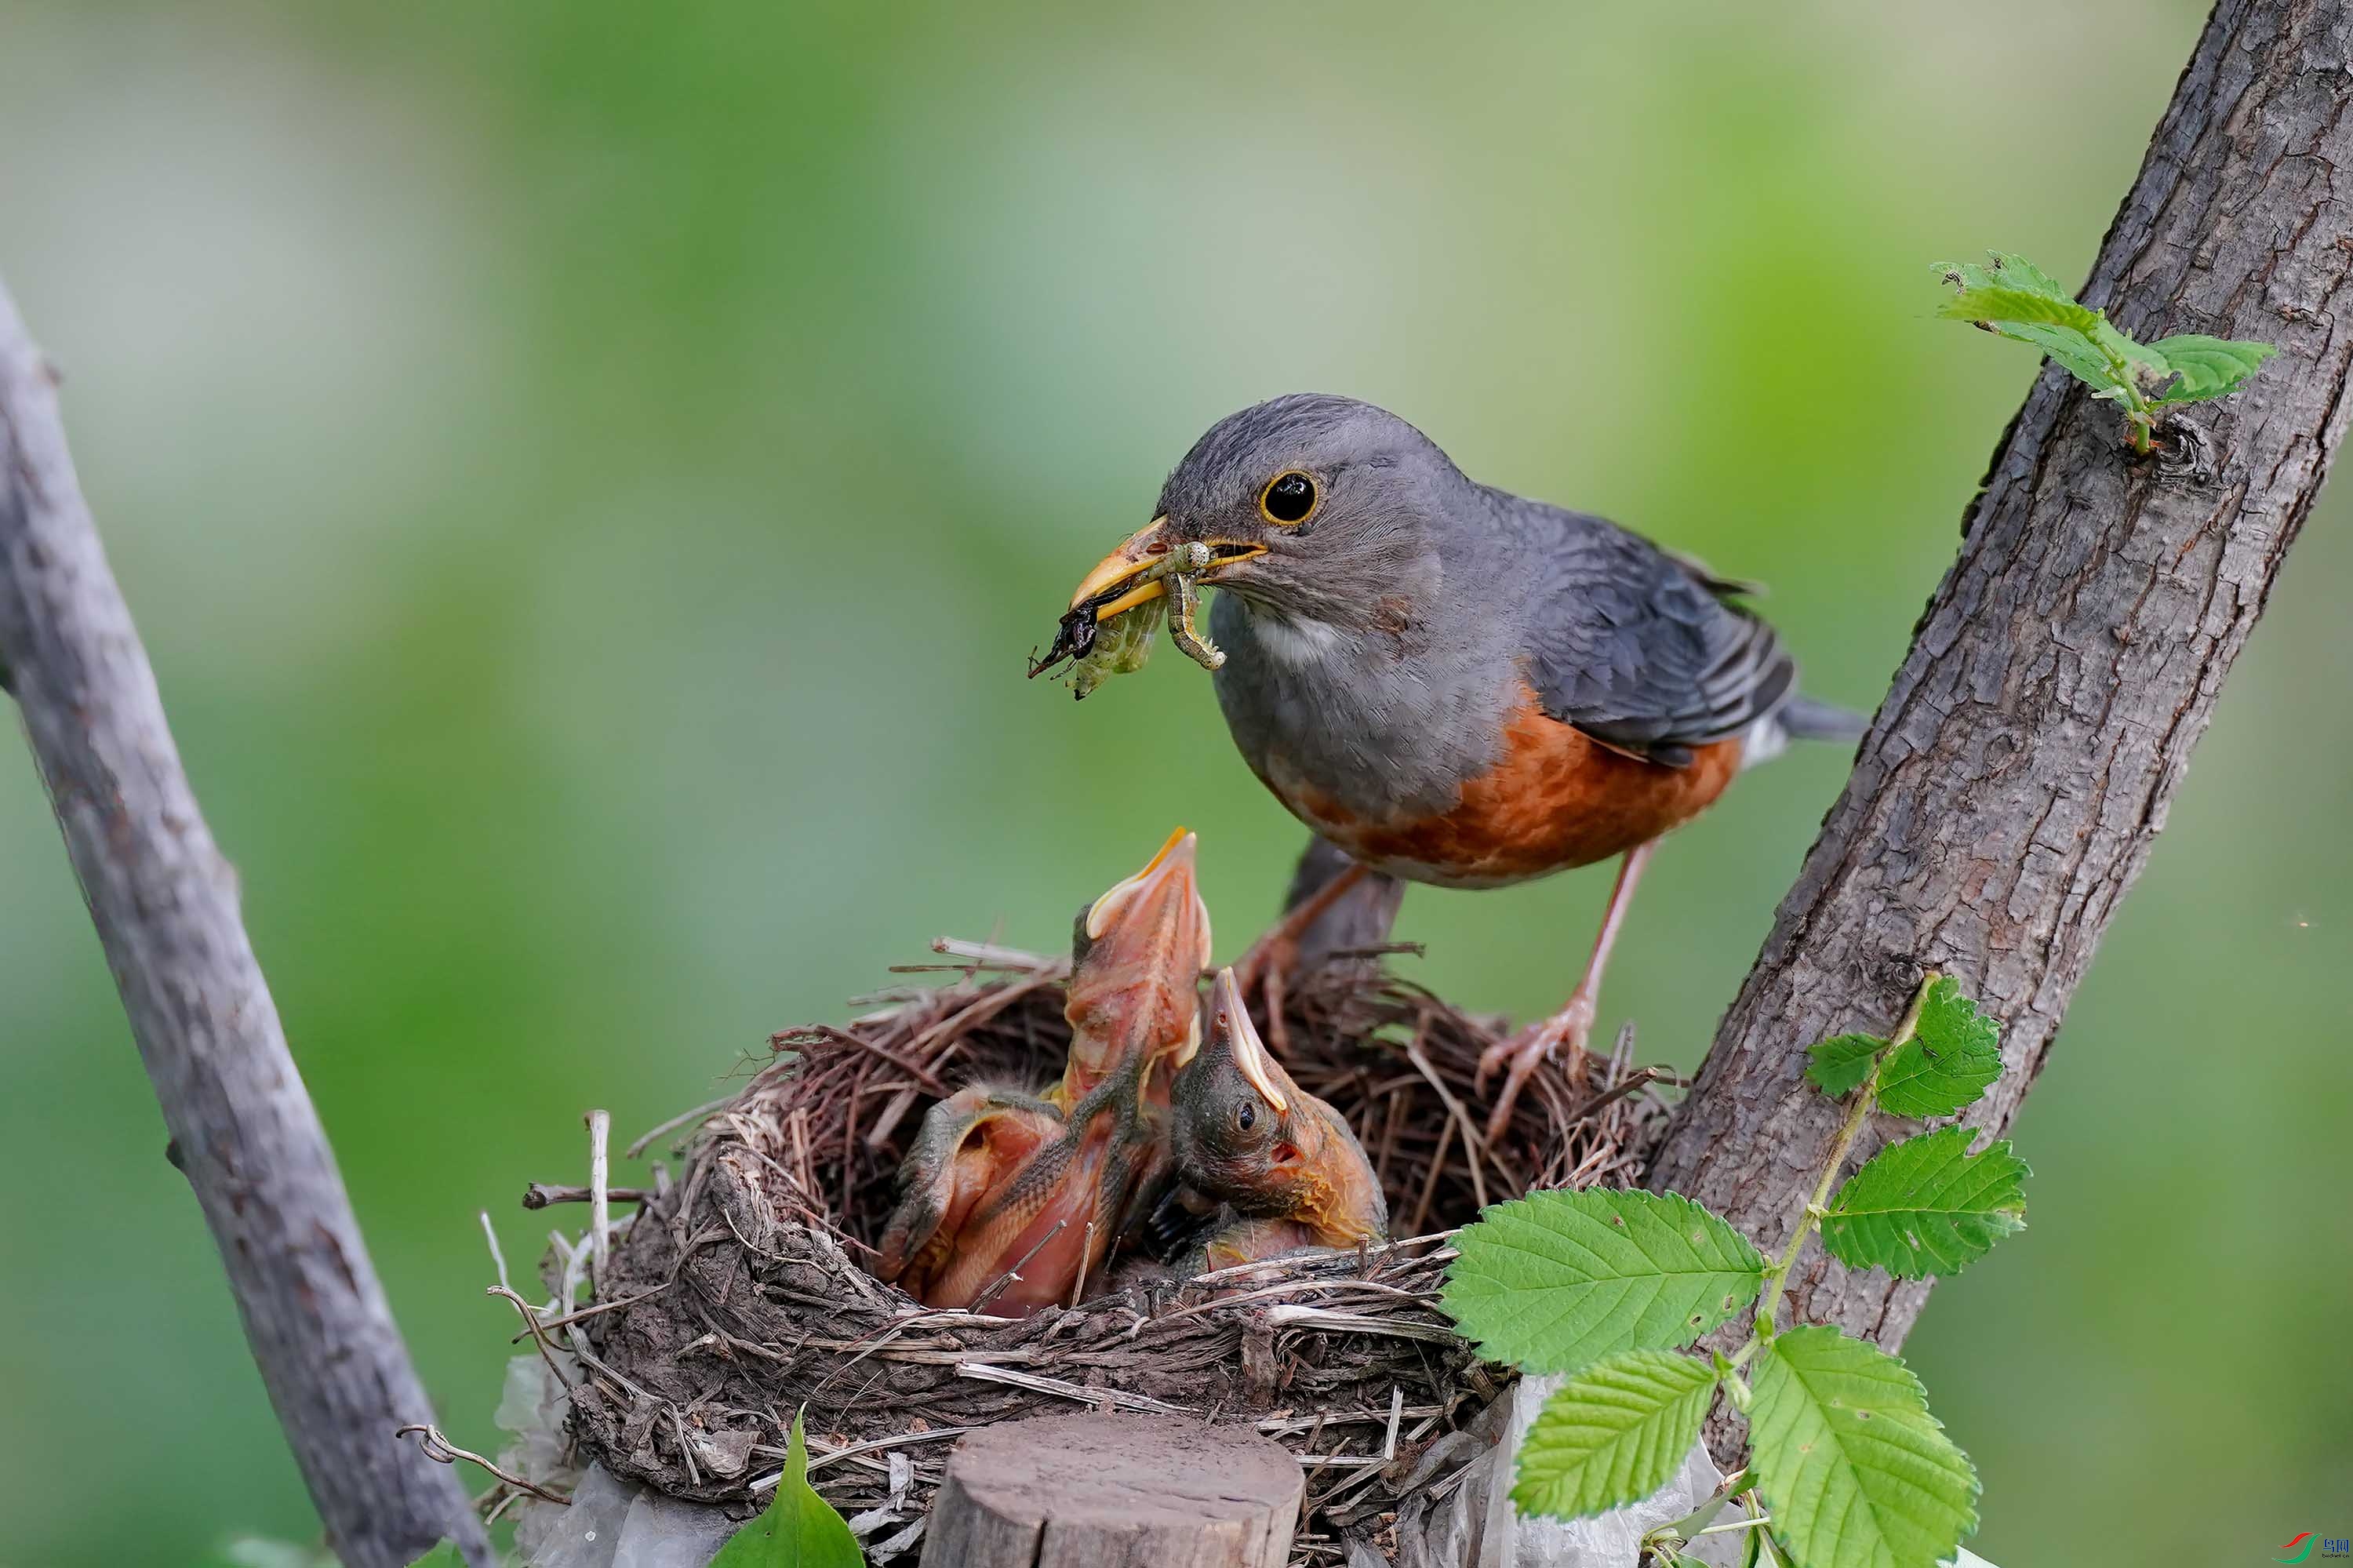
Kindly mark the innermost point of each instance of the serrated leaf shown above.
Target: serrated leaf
(1855, 1471)
(1613, 1433)
(1840, 1064)
(2210, 366)
(2020, 300)
(1927, 1206)
(2018, 273)
(2075, 353)
(1554, 1280)
(1953, 1054)
(799, 1529)
(2000, 301)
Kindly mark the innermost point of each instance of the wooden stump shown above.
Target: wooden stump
(1115, 1491)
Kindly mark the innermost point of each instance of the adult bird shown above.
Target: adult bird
(1456, 686)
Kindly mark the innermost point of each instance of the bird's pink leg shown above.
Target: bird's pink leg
(1574, 1022)
(1279, 949)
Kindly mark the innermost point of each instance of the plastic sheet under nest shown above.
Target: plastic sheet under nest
(738, 1293)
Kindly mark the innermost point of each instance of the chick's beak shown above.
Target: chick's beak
(1149, 942)
(1157, 913)
(1231, 1031)
(1137, 555)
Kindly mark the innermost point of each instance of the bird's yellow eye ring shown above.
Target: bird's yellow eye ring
(1289, 499)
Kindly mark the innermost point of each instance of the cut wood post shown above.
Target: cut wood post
(1115, 1491)
(242, 1126)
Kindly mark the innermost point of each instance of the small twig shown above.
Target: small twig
(496, 1256)
(1474, 1142)
(600, 1213)
(540, 1194)
(1116, 1398)
(1011, 1274)
(571, 1318)
(1283, 1313)
(441, 1451)
(685, 1448)
(1436, 1169)
(1086, 1251)
(673, 1123)
(532, 1325)
(1634, 1081)
(825, 1455)
(925, 1079)
(989, 956)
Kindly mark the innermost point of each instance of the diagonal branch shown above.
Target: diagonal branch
(2015, 778)
(165, 904)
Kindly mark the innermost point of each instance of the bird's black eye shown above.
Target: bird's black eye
(1288, 499)
(1246, 1115)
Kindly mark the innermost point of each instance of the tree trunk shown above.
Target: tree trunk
(2013, 780)
(165, 904)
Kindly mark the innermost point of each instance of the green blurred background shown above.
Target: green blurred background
(588, 475)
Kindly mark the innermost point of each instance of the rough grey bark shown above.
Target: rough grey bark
(2011, 784)
(165, 904)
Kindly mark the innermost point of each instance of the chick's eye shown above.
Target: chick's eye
(1245, 1115)
(1289, 498)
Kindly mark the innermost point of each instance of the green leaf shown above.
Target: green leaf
(1855, 1471)
(444, 1555)
(1928, 1206)
(799, 1529)
(2000, 301)
(2075, 353)
(1842, 1063)
(2020, 300)
(1555, 1281)
(2210, 366)
(2018, 273)
(1614, 1433)
(2005, 269)
(1953, 1054)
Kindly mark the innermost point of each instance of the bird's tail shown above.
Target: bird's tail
(1803, 718)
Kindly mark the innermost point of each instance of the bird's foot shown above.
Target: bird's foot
(1270, 960)
(1571, 1027)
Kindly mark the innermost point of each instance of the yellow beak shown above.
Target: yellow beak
(1137, 553)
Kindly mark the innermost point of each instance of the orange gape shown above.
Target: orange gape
(1557, 798)
(1008, 1201)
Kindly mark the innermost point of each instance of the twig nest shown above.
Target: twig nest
(739, 1293)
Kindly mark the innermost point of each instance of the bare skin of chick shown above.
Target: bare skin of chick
(1010, 1202)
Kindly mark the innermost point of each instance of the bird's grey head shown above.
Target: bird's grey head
(1314, 507)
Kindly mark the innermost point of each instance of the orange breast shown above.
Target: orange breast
(1556, 800)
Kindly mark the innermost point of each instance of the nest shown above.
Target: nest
(738, 1293)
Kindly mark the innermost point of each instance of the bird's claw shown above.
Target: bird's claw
(1272, 954)
(1571, 1027)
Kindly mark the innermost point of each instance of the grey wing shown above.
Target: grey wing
(1637, 648)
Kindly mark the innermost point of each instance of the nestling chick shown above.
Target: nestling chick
(1283, 1161)
(1008, 1203)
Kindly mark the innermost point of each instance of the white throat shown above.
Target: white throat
(1295, 643)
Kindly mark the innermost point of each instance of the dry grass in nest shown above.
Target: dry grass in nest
(738, 1293)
